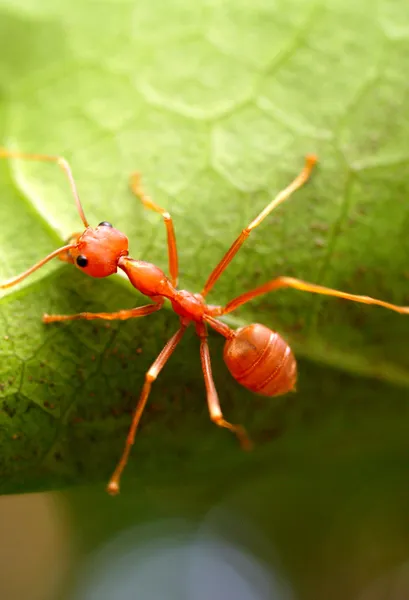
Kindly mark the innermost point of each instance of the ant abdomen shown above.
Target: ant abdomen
(261, 361)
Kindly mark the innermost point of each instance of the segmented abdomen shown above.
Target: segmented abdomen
(260, 360)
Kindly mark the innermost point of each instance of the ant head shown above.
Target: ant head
(97, 251)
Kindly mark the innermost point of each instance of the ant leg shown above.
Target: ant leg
(61, 162)
(212, 397)
(298, 284)
(136, 187)
(132, 313)
(151, 375)
(281, 196)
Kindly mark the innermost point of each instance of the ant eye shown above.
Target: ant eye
(105, 224)
(82, 261)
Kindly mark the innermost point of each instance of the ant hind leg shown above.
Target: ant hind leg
(304, 286)
(212, 397)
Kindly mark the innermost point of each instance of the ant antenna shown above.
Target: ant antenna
(61, 162)
(42, 262)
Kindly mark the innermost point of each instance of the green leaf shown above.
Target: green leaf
(216, 103)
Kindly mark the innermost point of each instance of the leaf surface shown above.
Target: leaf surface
(216, 103)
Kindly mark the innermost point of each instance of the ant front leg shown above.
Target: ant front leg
(136, 188)
(122, 315)
(212, 396)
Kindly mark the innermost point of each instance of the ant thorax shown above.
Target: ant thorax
(188, 305)
(147, 278)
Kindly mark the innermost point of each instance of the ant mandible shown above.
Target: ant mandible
(257, 357)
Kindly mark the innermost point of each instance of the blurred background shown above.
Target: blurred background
(216, 102)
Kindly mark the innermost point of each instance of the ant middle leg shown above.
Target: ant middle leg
(136, 188)
(302, 178)
(150, 377)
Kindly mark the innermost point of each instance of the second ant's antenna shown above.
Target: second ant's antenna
(60, 162)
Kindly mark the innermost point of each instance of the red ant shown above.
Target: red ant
(258, 358)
